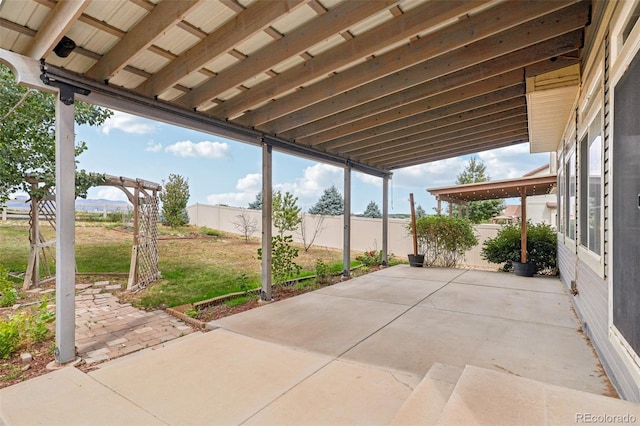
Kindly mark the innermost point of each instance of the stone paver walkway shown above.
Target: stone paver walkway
(107, 329)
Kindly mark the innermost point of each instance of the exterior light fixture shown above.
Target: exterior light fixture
(64, 47)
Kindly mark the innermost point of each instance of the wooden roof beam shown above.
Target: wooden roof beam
(456, 149)
(439, 128)
(436, 156)
(341, 17)
(466, 103)
(437, 53)
(255, 18)
(400, 28)
(496, 49)
(163, 16)
(468, 135)
(54, 27)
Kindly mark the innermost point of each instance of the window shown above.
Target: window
(631, 23)
(591, 187)
(570, 196)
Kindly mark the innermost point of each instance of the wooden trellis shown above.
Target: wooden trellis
(144, 252)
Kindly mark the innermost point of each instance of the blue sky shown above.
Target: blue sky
(223, 171)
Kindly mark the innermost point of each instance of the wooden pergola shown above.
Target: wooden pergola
(499, 189)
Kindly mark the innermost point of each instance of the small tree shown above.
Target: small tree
(330, 203)
(479, 211)
(174, 197)
(257, 203)
(286, 213)
(309, 236)
(246, 224)
(372, 210)
(420, 211)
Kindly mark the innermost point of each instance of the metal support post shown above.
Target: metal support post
(267, 207)
(385, 221)
(346, 250)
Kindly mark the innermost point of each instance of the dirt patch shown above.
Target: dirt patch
(13, 371)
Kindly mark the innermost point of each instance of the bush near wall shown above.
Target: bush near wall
(443, 239)
(542, 247)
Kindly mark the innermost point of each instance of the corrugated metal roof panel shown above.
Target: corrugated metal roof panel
(176, 40)
(293, 20)
(192, 80)
(209, 15)
(149, 62)
(289, 63)
(254, 43)
(171, 94)
(372, 22)
(221, 63)
(255, 80)
(126, 79)
(325, 45)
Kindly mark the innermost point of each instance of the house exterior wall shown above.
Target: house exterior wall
(366, 233)
(585, 250)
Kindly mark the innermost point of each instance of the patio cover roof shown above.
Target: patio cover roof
(376, 85)
(497, 189)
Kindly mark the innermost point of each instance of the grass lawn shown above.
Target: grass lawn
(194, 266)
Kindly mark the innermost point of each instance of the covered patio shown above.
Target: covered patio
(399, 346)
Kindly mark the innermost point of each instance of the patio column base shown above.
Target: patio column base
(265, 302)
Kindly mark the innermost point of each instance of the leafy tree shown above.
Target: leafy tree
(257, 204)
(372, 210)
(420, 212)
(444, 240)
(27, 137)
(330, 203)
(479, 211)
(286, 213)
(174, 197)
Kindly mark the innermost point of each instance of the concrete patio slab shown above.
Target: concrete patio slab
(484, 397)
(523, 305)
(510, 280)
(422, 337)
(316, 322)
(68, 397)
(404, 291)
(214, 378)
(430, 274)
(342, 393)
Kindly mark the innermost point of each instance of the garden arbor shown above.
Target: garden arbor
(496, 190)
(142, 194)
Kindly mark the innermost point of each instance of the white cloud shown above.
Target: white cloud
(251, 182)
(111, 193)
(438, 173)
(314, 180)
(511, 162)
(205, 149)
(153, 147)
(128, 123)
(369, 179)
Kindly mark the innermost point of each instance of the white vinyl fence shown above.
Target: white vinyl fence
(366, 233)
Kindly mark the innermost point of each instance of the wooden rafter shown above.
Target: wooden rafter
(162, 17)
(337, 19)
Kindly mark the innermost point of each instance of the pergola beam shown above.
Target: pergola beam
(431, 69)
(247, 23)
(440, 107)
(358, 84)
(429, 131)
(402, 27)
(335, 20)
(164, 16)
(57, 23)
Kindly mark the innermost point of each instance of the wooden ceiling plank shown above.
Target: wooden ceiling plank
(483, 51)
(467, 135)
(233, 5)
(247, 23)
(17, 28)
(440, 50)
(437, 128)
(164, 16)
(101, 25)
(463, 105)
(55, 25)
(393, 31)
(514, 61)
(435, 156)
(341, 17)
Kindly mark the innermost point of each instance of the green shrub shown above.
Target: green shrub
(283, 266)
(542, 246)
(24, 328)
(323, 272)
(8, 293)
(371, 258)
(10, 335)
(443, 239)
(210, 232)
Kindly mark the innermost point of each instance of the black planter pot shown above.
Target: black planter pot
(416, 260)
(524, 269)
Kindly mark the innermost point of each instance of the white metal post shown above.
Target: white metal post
(346, 250)
(267, 207)
(65, 233)
(385, 221)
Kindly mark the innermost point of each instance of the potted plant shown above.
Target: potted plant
(505, 249)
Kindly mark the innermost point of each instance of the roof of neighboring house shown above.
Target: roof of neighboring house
(536, 171)
(512, 210)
